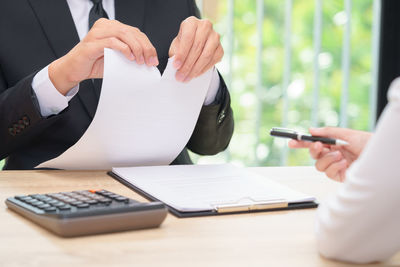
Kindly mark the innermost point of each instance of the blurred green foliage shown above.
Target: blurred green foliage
(244, 149)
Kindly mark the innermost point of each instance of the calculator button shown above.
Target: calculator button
(64, 207)
(121, 198)
(92, 202)
(83, 205)
(23, 198)
(105, 201)
(104, 193)
(44, 206)
(75, 203)
(50, 209)
(34, 201)
(39, 203)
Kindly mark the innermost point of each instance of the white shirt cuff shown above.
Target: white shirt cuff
(213, 89)
(51, 101)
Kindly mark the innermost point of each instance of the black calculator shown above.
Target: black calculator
(87, 212)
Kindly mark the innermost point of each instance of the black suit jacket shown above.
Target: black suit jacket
(33, 33)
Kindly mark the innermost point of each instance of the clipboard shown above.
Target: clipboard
(222, 208)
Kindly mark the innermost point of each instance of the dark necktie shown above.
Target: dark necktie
(97, 12)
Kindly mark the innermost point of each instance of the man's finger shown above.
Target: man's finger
(116, 44)
(200, 39)
(219, 53)
(149, 52)
(131, 36)
(137, 50)
(97, 53)
(208, 57)
(97, 48)
(172, 48)
(186, 37)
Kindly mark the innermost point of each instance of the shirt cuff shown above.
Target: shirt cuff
(213, 89)
(51, 101)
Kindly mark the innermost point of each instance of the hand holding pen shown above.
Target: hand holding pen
(334, 160)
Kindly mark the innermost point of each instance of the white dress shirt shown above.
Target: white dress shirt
(51, 101)
(361, 223)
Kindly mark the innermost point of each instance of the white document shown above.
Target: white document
(190, 188)
(142, 118)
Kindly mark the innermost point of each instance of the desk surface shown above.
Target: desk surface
(284, 238)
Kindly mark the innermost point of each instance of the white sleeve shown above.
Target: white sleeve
(361, 222)
(51, 101)
(213, 89)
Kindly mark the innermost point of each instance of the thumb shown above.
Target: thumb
(333, 132)
(173, 47)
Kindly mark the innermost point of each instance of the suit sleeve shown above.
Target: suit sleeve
(20, 119)
(214, 127)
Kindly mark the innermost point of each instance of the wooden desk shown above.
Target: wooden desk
(284, 238)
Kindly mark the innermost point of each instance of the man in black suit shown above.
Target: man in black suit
(40, 47)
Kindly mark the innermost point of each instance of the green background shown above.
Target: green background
(244, 149)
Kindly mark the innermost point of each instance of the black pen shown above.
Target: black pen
(288, 133)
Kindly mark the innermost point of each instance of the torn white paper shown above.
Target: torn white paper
(142, 118)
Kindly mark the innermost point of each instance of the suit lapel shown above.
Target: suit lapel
(56, 20)
(131, 12)
(57, 23)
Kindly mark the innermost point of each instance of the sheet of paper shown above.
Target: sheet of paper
(142, 118)
(202, 187)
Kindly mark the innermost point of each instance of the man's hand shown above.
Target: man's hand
(86, 59)
(197, 48)
(331, 159)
